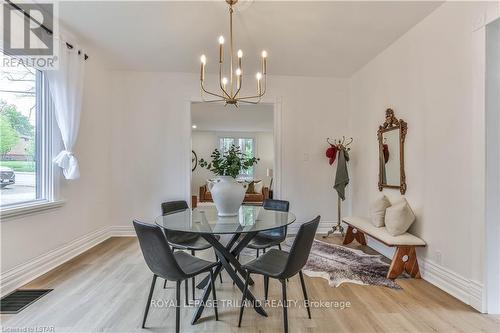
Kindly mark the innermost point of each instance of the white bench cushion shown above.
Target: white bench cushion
(365, 226)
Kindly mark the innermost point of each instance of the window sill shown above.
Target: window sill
(29, 209)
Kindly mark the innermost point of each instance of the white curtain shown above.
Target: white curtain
(66, 87)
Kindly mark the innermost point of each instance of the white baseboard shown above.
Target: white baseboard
(477, 296)
(468, 291)
(323, 227)
(122, 231)
(20, 275)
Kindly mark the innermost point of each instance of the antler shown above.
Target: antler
(340, 142)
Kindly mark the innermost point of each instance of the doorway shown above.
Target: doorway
(250, 128)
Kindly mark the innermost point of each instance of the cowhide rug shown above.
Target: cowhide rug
(339, 264)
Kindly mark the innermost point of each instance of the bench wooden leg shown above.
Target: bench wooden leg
(354, 234)
(405, 259)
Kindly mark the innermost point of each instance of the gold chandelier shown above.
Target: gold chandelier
(230, 87)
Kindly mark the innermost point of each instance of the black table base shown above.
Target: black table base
(227, 260)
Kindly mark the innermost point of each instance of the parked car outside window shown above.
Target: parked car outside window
(7, 176)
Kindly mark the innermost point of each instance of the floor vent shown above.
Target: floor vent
(20, 299)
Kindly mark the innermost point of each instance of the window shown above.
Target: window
(25, 137)
(246, 146)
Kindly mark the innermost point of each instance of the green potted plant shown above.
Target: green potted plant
(227, 193)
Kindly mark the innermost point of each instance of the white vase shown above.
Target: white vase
(228, 195)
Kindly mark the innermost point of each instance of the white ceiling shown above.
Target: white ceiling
(303, 38)
(220, 118)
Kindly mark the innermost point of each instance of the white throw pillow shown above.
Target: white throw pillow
(377, 211)
(399, 218)
(257, 187)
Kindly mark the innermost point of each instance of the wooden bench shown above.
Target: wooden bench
(405, 257)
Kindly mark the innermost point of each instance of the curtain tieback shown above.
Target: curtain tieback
(68, 162)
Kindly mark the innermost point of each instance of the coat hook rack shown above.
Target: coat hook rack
(340, 145)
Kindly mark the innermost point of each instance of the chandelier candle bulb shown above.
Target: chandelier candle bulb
(221, 48)
(259, 77)
(202, 70)
(240, 55)
(264, 62)
(238, 78)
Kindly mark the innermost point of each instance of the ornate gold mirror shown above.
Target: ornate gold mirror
(391, 139)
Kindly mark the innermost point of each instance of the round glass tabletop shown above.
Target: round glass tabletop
(205, 220)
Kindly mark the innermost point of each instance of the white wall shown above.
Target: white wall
(87, 199)
(204, 142)
(432, 78)
(152, 128)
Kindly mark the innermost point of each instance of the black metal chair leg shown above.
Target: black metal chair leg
(165, 284)
(266, 286)
(214, 296)
(304, 291)
(257, 253)
(193, 282)
(285, 306)
(149, 300)
(264, 250)
(242, 306)
(279, 247)
(178, 306)
(193, 285)
(187, 291)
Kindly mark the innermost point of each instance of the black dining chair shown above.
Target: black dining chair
(273, 237)
(282, 265)
(174, 266)
(184, 240)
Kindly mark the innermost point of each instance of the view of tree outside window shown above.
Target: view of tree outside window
(18, 135)
(246, 146)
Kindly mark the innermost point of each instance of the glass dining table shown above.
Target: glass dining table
(204, 221)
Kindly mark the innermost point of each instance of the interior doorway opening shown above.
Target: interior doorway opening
(250, 128)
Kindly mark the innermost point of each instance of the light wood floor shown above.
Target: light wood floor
(105, 290)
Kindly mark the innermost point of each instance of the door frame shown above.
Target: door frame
(492, 196)
(277, 103)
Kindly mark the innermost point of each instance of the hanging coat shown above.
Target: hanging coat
(342, 176)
